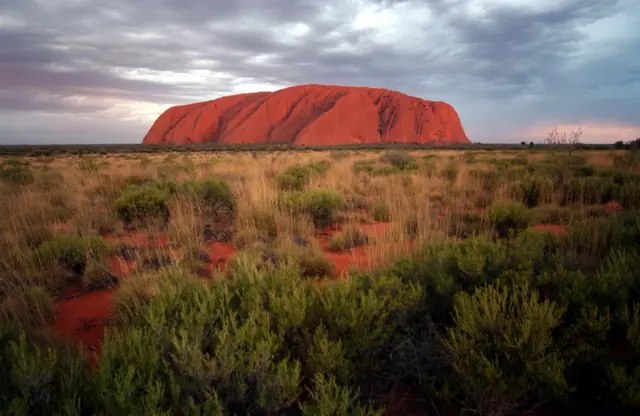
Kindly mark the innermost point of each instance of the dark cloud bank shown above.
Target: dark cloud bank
(92, 71)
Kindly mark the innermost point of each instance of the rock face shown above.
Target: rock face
(311, 115)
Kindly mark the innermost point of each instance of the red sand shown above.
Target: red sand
(83, 316)
(138, 239)
(311, 115)
(552, 228)
(344, 261)
(357, 257)
(121, 267)
(220, 254)
(613, 206)
(376, 229)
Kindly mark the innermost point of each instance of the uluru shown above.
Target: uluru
(311, 115)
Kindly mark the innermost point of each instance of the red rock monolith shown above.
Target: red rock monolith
(311, 115)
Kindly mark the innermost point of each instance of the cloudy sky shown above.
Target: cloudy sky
(100, 71)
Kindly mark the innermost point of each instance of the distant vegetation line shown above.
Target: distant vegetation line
(49, 149)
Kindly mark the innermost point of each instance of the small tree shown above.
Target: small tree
(557, 138)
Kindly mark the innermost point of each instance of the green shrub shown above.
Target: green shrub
(13, 162)
(472, 262)
(321, 167)
(531, 191)
(40, 380)
(291, 182)
(240, 345)
(399, 159)
(363, 166)
(329, 398)
(430, 156)
(142, 204)
(629, 160)
(312, 262)
(322, 205)
(619, 177)
(623, 376)
(465, 224)
(20, 175)
(429, 167)
(366, 331)
(500, 164)
(490, 180)
(585, 171)
(294, 177)
(348, 239)
(519, 161)
(590, 190)
(506, 216)
(216, 196)
(91, 165)
(551, 214)
(594, 238)
(503, 349)
(629, 196)
(450, 172)
(71, 252)
(380, 211)
(385, 170)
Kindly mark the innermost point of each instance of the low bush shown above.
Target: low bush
(551, 214)
(589, 190)
(450, 172)
(489, 326)
(311, 261)
(380, 211)
(532, 192)
(490, 180)
(348, 239)
(500, 326)
(367, 166)
(385, 170)
(399, 159)
(322, 205)
(40, 380)
(216, 197)
(296, 177)
(628, 195)
(143, 204)
(507, 216)
(18, 175)
(465, 224)
(71, 252)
